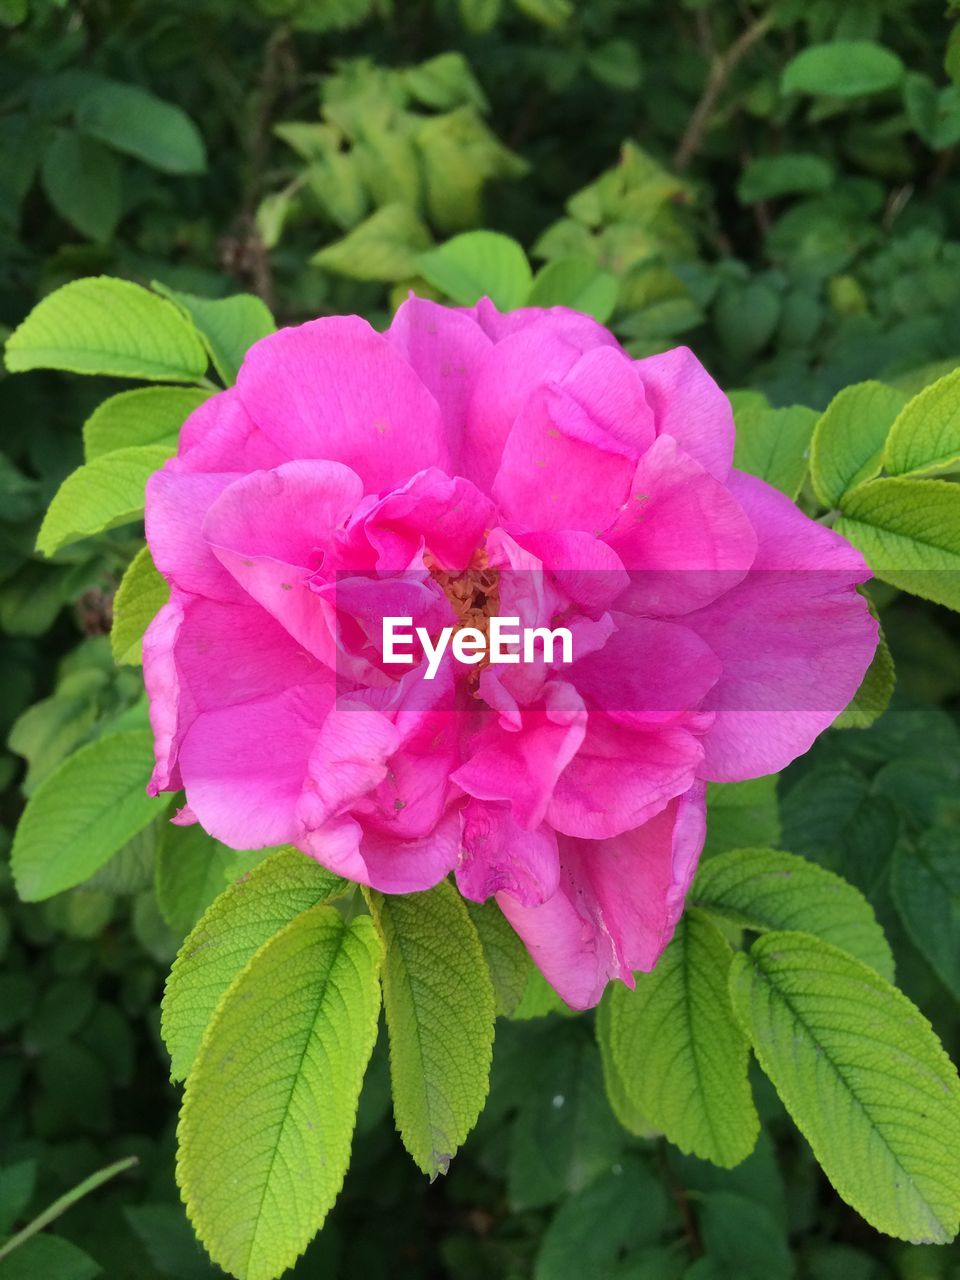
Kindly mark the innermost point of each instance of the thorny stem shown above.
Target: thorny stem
(721, 69)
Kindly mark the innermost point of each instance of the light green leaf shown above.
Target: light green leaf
(767, 889)
(864, 1078)
(141, 595)
(479, 264)
(842, 69)
(681, 1055)
(444, 82)
(100, 495)
(83, 813)
(102, 325)
(621, 1104)
(82, 180)
(146, 415)
(925, 438)
(847, 445)
(539, 999)
(384, 247)
(926, 890)
(505, 954)
(238, 923)
(131, 120)
(438, 998)
(788, 174)
(773, 444)
(576, 282)
(909, 532)
(228, 326)
(271, 1101)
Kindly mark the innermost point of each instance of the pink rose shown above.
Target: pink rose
(468, 463)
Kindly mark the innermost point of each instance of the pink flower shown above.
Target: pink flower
(463, 464)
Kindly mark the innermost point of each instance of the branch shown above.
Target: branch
(722, 67)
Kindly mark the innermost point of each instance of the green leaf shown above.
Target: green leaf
(83, 813)
(228, 326)
(438, 998)
(773, 444)
(876, 689)
(926, 890)
(49, 1256)
(847, 446)
(238, 923)
(864, 1078)
(141, 595)
(682, 1057)
(505, 954)
(479, 264)
(82, 180)
(742, 1239)
(925, 438)
(832, 816)
(100, 495)
(386, 246)
(131, 120)
(909, 532)
(271, 1100)
(616, 63)
(614, 1216)
(576, 282)
(102, 325)
(766, 889)
(842, 69)
(192, 869)
(17, 1183)
(742, 815)
(788, 174)
(146, 415)
(565, 1135)
(621, 1104)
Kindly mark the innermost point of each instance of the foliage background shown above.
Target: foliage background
(310, 151)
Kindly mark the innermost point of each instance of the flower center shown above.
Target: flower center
(473, 592)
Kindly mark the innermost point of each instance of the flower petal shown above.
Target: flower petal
(336, 389)
(795, 639)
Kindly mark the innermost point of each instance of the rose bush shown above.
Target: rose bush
(464, 463)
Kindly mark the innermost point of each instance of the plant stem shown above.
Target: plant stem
(66, 1202)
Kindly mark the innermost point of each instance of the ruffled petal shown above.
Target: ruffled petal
(497, 855)
(445, 348)
(560, 469)
(523, 765)
(617, 904)
(688, 405)
(221, 436)
(682, 535)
